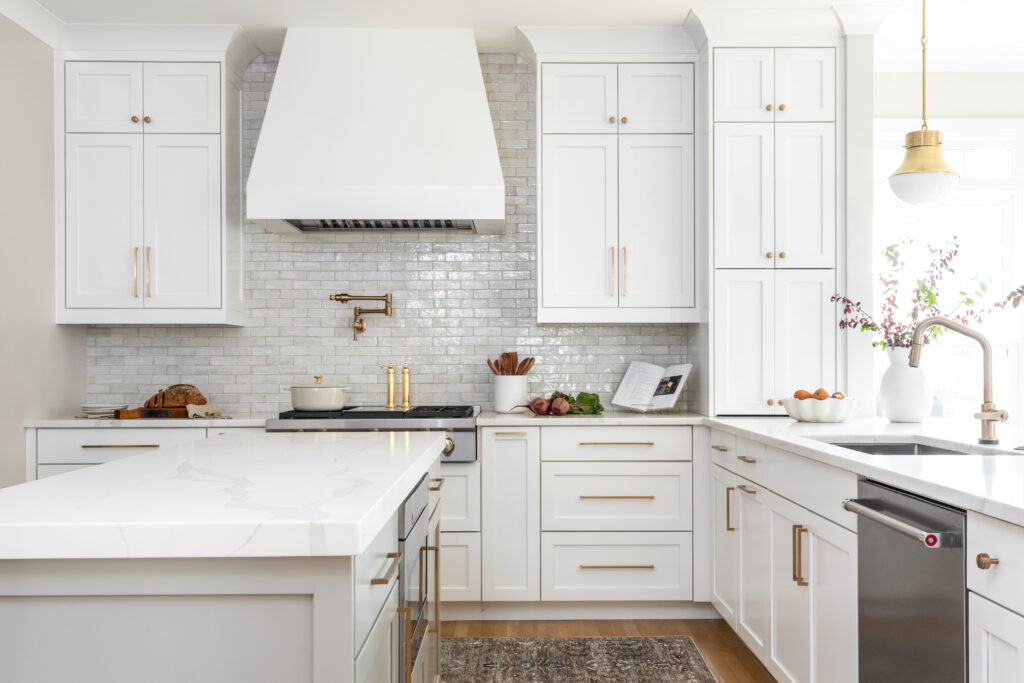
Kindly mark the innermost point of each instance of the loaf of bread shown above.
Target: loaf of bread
(176, 396)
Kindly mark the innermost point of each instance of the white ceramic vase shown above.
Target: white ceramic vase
(510, 391)
(905, 394)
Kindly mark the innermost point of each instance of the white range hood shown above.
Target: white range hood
(377, 129)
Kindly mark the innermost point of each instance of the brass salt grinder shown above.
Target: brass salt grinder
(390, 405)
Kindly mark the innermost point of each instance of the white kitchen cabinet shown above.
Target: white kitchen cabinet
(744, 199)
(805, 195)
(460, 566)
(655, 98)
(510, 513)
(181, 97)
(182, 221)
(753, 606)
(579, 98)
(103, 97)
(580, 202)
(774, 333)
(104, 238)
(378, 661)
(656, 221)
(774, 84)
(725, 546)
(744, 84)
(995, 642)
(460, 505)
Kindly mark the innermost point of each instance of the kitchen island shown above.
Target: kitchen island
(248, 558)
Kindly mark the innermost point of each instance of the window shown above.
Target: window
(986, 217)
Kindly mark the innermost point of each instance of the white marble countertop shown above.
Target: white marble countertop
(987, 479)
(173, 423)
(244, 495)
(611, 417)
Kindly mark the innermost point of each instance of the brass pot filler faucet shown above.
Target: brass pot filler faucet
(358, 324)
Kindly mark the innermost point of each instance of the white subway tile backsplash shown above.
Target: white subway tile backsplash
(458, 299)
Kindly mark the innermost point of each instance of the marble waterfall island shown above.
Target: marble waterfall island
(245, 558)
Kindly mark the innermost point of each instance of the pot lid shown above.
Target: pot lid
(317, 384)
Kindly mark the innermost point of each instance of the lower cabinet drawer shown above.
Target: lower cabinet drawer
(97, 445)
(740, 456)
(375, 572)
(460, 567)
(616, 566)
(616, 496)
(616, 443)
(818, 487)
(1001, 541)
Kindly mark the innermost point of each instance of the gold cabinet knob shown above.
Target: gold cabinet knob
(769, 107)
(771, 402)
(782, 254)
(782, 107)
(611, 119)
(147, 119)
(986, 562)
(769, 255)
(625, 119)
(317, 378)
(135, 119)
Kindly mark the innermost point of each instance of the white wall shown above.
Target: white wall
(950, 95)
(42, 365)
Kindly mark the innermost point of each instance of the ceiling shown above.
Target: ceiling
(963, 34)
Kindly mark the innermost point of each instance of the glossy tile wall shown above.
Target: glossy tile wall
(457, 300)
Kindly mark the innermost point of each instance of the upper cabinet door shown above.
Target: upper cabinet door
(182, 210)
(743, 81)
(744, 195)
(103, 97)
(579, 98)
(103, 225)
(805, 84)
(656, 221)
(744, 337)
(579, 235)
(805, 332)
(805, 195)
(182, 97)
(656, 98)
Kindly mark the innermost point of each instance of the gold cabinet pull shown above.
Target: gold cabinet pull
(625, 119)
(439, 482)
(395, 558)
(616, 443)
(611, 277)
(782, 254)
(782, 107)
(616, 497)
(747, 489)
(771, 401)
(616, 566)
(611, 119)
(769, 108)
(149, 272)
(625, 274)
(769, 255)
(798, 554)
(147, 119)
(985, 561)
(135, 119)
(720, 449)
(135, 272)
(121, 445)
(728, 509)
(747, 459)
(510, 433)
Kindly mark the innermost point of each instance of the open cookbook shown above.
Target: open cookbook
(647, 387)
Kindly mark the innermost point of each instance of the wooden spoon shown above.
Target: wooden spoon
(529, 364)
(515, 362)
(492, 366)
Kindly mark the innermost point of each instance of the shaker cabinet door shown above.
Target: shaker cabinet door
(805, 84)
(744, 84)
(725, 545)
(579, 98)
(104, 221)
(805, 195)
(655, 98)
(103, 97)
(182, 97)
(805, 333)
(744, 341)
(995, 642)
(744, 201)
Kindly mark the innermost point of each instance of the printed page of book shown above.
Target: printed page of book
(670, 386)
(638, 385)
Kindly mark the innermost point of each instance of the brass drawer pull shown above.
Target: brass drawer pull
(747, 459)
(407, 611)
(616, 497)
(395, 558)
(616, 566)
(616, 443)
(728, 509)
(799, 570)
(985, 561)
(747, 489)
(611, 276)
(510, 433)
(149, 272)
(439, 481)
(720, 449)
(121, 445)
(135, 273)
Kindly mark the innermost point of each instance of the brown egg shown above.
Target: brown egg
(821, 394)
(801, 394)
(840, 395)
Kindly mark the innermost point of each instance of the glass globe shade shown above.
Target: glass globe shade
(923, 188)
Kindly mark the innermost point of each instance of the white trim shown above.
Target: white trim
(540, 611)
(34, 18)
(859, 20)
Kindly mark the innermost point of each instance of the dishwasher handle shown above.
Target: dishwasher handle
(929, 539)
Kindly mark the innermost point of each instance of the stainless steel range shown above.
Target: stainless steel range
(458, 421)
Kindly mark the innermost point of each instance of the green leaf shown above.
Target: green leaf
(983, 286)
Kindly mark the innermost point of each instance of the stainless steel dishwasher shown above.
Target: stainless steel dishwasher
(912, 593)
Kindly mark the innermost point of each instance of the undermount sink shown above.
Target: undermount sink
(907, 448)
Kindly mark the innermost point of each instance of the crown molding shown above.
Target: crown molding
(859, 20)
(34, 18)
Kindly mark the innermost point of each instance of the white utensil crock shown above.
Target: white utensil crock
(510, 391)
(905, 394)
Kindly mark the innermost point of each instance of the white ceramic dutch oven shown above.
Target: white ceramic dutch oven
(317, 396)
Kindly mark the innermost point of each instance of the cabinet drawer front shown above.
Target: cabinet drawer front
(378, 661)
(376, 572)
(460, 504)
(616, 566)
(1001, 541)
(94, 446)
(816, 486)
(460, 567)
(742, 456)
(616, 496)
(616, 443)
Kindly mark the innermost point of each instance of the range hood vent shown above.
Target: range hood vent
(389, 124)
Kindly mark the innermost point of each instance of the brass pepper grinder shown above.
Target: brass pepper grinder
(390, 405)
(405, 387)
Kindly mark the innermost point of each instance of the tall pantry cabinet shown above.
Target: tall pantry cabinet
(148, 225)
(774, 151)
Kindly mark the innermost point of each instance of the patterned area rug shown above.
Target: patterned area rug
(670, 659)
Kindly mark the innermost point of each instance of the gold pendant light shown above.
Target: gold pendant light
(924, 176)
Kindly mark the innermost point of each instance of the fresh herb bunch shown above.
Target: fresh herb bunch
(583, 403)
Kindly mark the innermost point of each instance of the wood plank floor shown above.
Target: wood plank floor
(727, 657)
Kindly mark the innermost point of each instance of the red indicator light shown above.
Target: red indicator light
(931, 540)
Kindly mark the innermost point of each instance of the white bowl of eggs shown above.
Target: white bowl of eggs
(819, 406)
